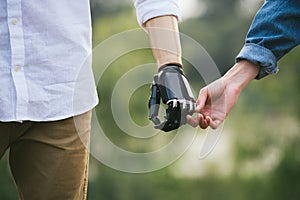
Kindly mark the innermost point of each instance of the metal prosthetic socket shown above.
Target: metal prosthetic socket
(172, 88)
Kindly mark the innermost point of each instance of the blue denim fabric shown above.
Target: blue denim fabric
(275, 30)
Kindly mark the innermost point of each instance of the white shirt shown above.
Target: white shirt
(45, 70)
(147, 9)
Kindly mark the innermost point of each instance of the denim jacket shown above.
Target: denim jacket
(275, 30)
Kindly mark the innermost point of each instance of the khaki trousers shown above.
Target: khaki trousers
(48, 160)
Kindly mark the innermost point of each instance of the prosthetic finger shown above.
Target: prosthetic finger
(154, 102)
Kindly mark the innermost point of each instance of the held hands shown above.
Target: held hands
(171, 86)
(215, 101)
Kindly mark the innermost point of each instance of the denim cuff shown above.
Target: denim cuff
(260, 56)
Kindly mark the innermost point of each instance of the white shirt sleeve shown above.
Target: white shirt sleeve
(147, 9)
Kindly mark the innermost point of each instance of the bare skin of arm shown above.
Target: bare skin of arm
(164, 37)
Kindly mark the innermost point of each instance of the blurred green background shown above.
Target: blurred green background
(258, 155)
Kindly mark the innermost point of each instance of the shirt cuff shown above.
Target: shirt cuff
(148, 9)
(260, 56)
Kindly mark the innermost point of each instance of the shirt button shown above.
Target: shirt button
(14, 21)
(17, 68)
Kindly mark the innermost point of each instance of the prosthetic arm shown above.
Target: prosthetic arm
(169, 85)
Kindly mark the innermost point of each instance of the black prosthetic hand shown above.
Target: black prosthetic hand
(172, 87)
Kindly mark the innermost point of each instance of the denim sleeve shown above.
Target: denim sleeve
(275, 30)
